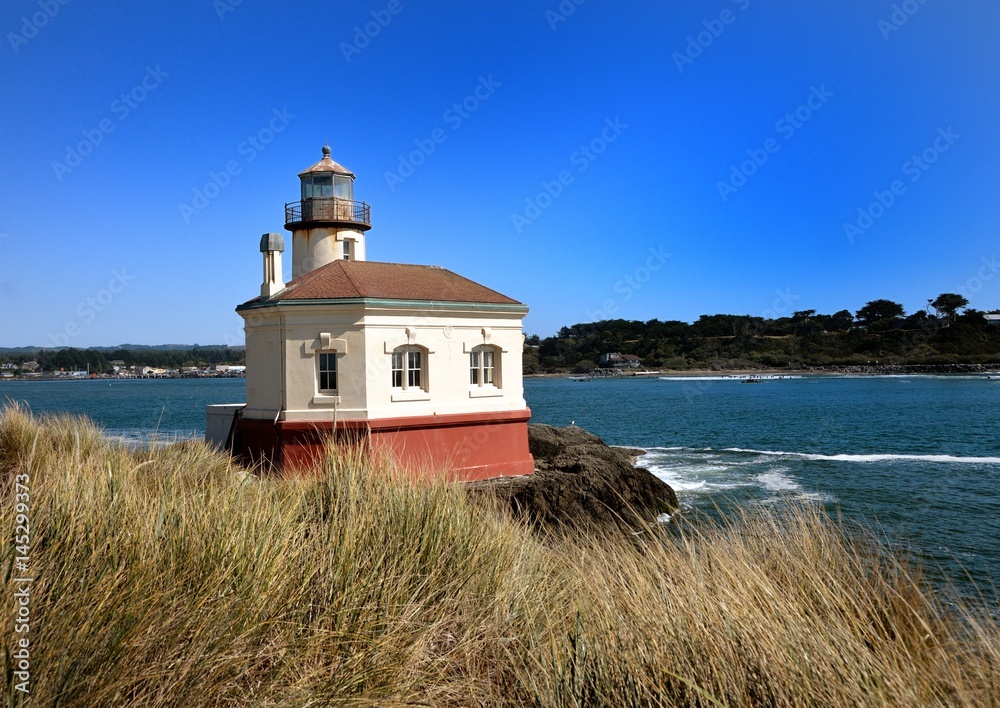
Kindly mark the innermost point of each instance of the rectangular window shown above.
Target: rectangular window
(474, 368)
(413, 366)
(328, 371)
(397, 369)
(489, 367)
(347, 250)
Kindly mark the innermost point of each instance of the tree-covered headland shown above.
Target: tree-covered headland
(946, 332)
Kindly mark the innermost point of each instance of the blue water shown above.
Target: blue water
(136, 410)
(917, 455)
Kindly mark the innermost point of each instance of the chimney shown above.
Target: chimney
(272, 246)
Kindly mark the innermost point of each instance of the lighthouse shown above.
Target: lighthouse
(420, 363)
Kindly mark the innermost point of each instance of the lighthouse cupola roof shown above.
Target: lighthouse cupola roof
(327, 166)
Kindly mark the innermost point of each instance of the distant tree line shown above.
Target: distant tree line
(99, 361)
(946, 332)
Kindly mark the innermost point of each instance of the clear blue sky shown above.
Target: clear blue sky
(637, 116)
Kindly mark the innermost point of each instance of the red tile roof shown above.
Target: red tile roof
(390, 281)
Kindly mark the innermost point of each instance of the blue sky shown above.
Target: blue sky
(591, 159)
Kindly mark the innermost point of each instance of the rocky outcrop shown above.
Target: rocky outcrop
(580, 483)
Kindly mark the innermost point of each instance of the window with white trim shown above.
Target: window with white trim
(409, 368)
(327, 371)
(484, 363)
(347, 249)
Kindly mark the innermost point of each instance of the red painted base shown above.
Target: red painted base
(460, 447)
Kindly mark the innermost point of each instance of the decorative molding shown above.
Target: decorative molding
(325, 342)
(468, 346)
(407, 339)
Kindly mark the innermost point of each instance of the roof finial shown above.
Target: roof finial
(326, 150)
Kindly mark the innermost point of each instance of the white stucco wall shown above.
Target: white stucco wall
(369, 334)
(312, 248)
(263, 356)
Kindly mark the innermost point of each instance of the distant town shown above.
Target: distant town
(123, 362)
(30, 370)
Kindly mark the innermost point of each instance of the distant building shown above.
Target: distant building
(423, 364)
(993, 319)
(614, 360)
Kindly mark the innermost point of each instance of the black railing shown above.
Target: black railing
(328, 209)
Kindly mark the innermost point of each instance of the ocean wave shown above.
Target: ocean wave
(677, 481)
(946, 459)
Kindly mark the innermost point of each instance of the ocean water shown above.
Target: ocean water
(916, 456)
(132, 410)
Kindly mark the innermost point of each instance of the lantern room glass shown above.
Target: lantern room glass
(325, 186)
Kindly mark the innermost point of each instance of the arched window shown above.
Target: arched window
(484, 366)
(409, 368)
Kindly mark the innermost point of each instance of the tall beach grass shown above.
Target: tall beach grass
(170, 576)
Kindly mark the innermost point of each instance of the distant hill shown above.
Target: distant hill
(15, 351)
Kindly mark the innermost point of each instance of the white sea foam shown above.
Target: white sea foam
(943, 459)
(680, 483)
(775, 480)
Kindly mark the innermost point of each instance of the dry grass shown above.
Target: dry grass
(170, 577)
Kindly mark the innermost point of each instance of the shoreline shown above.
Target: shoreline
(838, 370)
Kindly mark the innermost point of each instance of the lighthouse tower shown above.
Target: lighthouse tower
(326, 224)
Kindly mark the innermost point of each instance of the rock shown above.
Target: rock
(581, 483)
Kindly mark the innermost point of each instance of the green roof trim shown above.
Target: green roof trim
(383, 302)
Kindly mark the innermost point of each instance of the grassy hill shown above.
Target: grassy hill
(171, 577)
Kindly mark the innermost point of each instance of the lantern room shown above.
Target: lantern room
(327, 179)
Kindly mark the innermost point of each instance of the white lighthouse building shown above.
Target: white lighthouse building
(422, 363)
